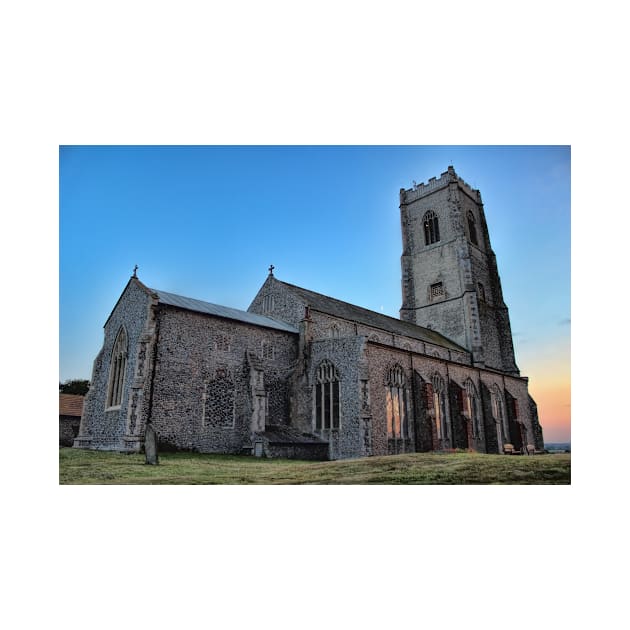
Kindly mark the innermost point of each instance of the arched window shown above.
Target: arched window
(326, 396)
(472, 228)
(441, 424)
(471, 407)
(503, 434)
(117, 367)
(431, 228)
(397, 425)
(334, 331)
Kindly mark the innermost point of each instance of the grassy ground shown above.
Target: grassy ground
(93, 467)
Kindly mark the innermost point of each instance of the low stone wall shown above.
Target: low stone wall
(68, 429)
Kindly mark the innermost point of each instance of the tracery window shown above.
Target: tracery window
(397, 425)
(431, 228)
(470, 407)
(499, 416)
(326, 396)
(439, 407)
(472, 228)
(117, 367)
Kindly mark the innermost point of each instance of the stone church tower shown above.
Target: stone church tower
(450, 281)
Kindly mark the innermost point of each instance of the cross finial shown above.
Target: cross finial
(271, 268)
(134, 271)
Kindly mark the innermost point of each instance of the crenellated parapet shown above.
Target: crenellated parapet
(435, 183)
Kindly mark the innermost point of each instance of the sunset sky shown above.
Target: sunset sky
(206, 222)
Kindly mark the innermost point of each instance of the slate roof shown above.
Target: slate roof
(221, 311)
(70, 405)
(344, 310)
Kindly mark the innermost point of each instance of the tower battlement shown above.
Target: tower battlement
(448, 177)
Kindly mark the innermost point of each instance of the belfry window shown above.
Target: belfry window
(431, 228)
(326, 397)
(117, 367)
(395, 404)
(472, 229)
(481, 292)
(436, 290)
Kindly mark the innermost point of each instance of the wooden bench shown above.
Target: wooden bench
(509, 449)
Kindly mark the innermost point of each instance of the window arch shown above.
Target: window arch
(326, 396)
(439, 407)
(496, 400)
(396, 405)
(117, 367)
(431, 228)
(472, 227)
(471, 407)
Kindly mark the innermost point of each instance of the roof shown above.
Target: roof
(332, 306)
(221, 311)
(70, 405)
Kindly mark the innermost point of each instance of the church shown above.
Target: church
(304, 375)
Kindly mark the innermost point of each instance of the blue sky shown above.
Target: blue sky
(206, 222)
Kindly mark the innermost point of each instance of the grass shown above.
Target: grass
(96, 467)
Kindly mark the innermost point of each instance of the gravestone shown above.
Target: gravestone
(150, 446)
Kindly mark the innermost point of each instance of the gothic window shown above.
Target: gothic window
(470, 407)
(472, 229)
(499, 416)
(431, 228)
(334, 331)
(326, 396)
(437, 290)
(397, 426)
(117, 368)
(439, 407)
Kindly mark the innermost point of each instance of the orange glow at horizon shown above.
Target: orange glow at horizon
(551, 389)
(547, 364)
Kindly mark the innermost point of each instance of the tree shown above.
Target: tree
(74, 386)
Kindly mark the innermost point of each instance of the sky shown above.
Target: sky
(207, 221)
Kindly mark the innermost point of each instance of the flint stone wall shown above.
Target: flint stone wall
(106, 427)
(202, 397)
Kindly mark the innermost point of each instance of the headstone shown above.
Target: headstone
(258, 448)
(150, 446)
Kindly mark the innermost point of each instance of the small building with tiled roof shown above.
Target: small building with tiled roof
(306, 375)
(70, 412)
